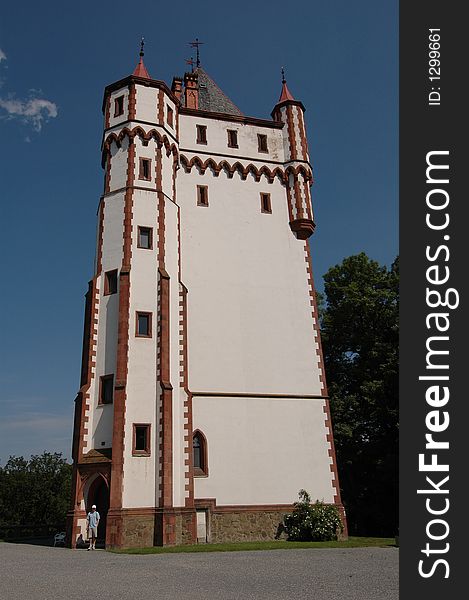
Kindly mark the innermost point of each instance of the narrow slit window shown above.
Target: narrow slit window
(119, 106)
(201, 134)
(266, 205)
(202, 195)
(141, 440)
(106, 389)
(143, 324)
(232, 138)
(262, 142)
(199, 453)
(145, 238)
(110, 282)
(145, 169)
(170, 116)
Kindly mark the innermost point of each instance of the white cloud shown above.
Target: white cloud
(34, 111)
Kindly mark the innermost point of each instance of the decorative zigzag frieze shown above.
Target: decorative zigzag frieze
(244, 171)
(146, 136)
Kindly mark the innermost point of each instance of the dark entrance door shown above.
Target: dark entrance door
(99, 495)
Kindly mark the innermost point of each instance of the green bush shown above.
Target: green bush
(316, 522)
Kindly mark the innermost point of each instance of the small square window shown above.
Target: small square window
(170, 116)
(266, 206)
(145, 238)
(262, 142)
(141, 440)
(202, 195)
(145, 169)
(119, 106)
(143, 324)
(106, 389)
(110, 282)
(201, 134)
(232, 138)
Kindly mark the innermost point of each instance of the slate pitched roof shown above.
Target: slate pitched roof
(212, 98)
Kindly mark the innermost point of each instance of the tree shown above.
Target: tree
(360, 338)
(35, 492)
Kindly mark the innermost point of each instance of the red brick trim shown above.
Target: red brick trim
(114, 528)
(99, 252)
(291, 133)
(299, 204)
(303, 140)
(212, 506)
(166, 394)
(107, 112)
(132, 101)
(302, 228)
(322, 377)
(244, 171)
(289, 200)
(276, 112)
(144, 136)
(314, 314)
(206, 114)
(134, 79)
(160, 116)
(226, 156)
(184, 387)
(107, 173)
(308, 202)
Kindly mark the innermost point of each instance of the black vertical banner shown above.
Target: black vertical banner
(434, 396)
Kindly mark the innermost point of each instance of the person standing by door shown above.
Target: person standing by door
(92, 522)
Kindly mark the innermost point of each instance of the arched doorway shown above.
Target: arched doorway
(99, 494)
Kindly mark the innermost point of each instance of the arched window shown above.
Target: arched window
(199, 452)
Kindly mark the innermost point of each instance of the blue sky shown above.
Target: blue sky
(341, 61)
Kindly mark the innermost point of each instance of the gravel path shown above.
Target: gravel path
(38, 572)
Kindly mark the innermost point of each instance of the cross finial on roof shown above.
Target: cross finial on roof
(196, 44)
(140, 70)
(190, 61)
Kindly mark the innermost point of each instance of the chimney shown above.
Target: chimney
(191, 85)
(176, 87)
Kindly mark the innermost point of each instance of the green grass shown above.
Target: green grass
(352, 542)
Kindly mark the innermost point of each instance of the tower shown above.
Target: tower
(203, 405)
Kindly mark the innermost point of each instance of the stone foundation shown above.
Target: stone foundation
(244, 526)
(144, 527)
(138, 531)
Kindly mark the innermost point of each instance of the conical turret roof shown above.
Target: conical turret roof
(141, 70)
(286, 94)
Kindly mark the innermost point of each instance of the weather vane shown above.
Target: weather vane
(142, 44)
(196, 44)
(283, 75)
(190, 61)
